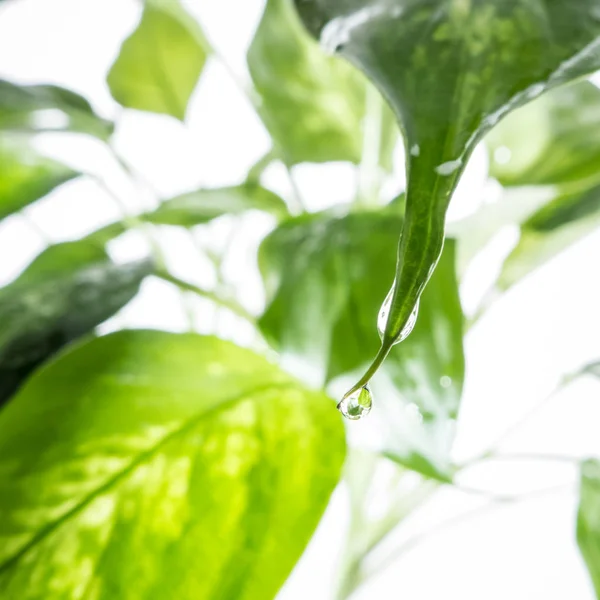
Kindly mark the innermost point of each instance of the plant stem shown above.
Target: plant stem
(228, 303)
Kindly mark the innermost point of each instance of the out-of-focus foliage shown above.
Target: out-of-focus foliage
(588, 519)
(64, 294)
(160, 63)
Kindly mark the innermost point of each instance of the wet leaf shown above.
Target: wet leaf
(152, 465)
(201, 206)
(553, 140)
(588, 519)
(160, 62)
(35, 108)
(64, 294)
(312, 104)
(26, 176)
(326, 278)
(451, 71)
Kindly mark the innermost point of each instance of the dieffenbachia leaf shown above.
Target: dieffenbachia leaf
(553, 140)
(451, 69)
(313, 104)
(64, 294)
(202, 206)
(35, 108)
(588, 519)
(326, 277)
(151, 465)
(26, 176)
(160, 62)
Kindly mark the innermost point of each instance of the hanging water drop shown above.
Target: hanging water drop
(357, 405)
(383, 318)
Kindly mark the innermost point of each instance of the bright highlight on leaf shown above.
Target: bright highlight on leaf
(161, 465)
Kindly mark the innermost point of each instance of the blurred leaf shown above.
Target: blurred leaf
(64, 294)
(204, 205)
(553, 140)
(312, 104)
(150, 465)
(553, 228)
(588, 520)
(160, 62)
(26, 176)
(326, 278)
(593, 369)
(451, 71)
(34, 108)
(201, 206)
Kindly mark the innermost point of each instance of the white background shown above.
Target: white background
(545, 327)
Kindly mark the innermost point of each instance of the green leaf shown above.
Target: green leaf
(26, 176)
(150, 465)
(34, 108)
(593, 369)
(550, 230)
(553, 140)
(160, 62)
(312, 104)
(451, 71)
(326, 277)
(588, 519)
(64, 294)
(202, 206)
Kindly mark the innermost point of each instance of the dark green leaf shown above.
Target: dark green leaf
(552, 229)
(553, 140)
(31, 108)
(64, 294)
(312, 104)
(150, 465)
(160, 62)
(26, 176)
(201, 206)
(451, 71)
(588, 520)
(326, 278)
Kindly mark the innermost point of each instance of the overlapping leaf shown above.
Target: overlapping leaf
(451, 71)
(326, 277)
(67, 290)
(150, 465)
(312, 104)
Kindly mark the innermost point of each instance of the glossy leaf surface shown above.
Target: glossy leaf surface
(151, 465)
(26, 176)
(588, 519)
(312, 104)
(326, 278)
(32, 108)
(64, 294)
(160, 62)
(451, 71)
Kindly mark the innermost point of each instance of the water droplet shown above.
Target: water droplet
(357, 405)
(449, 167)
(445, 381)
(415, 150)
(383, 318)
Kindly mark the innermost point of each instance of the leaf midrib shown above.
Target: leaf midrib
(136, 462)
